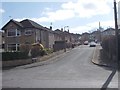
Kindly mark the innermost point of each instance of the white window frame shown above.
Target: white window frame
(16, 31)
(26, 32)
(14, 45)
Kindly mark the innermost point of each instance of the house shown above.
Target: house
(108, 32)
(58, 35)
(24, 32)
(95, 36)
(85, 37)
(27, 32)
(1, 41)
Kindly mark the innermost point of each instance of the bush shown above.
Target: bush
(25, 48)
(35, 51)
(109, 45)
(48, 51)
(6, 56)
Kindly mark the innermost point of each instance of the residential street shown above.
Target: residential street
(73, 70)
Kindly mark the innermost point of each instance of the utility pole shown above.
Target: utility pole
(100, 38)
(116, 32)
(64, 38)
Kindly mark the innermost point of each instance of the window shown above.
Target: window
(28, 32)
(13, 47)
(18, 32)
(13, 32)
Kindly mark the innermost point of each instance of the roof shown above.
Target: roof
(109, 29)
(15, 22)
(26, 24)
(29, 23)
(18, 23)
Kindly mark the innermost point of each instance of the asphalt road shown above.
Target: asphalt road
(73, 70)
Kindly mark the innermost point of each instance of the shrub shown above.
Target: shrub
(25, 48)
(48, 51)
(35, 51)
(6, 56)
(109, 45)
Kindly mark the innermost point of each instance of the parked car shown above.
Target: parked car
(86, 43)
(92, 44)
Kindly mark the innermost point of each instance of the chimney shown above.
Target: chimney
(68, 30)
(62, 29)
(50, 27)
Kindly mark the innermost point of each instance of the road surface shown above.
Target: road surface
(73, 70)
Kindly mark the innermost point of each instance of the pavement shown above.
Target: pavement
(100, 58)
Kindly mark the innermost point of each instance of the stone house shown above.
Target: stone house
(24, 32)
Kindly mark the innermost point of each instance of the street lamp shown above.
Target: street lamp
(64, 38)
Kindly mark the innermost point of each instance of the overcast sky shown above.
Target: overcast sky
(80, 15)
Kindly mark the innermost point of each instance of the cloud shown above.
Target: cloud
(60, 15)
(92, 26)
(53, 16)
(89, 8)
(79, 9)
(1, 11)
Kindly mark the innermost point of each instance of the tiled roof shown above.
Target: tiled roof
(29, 23)
(15, 22)
(26, 24)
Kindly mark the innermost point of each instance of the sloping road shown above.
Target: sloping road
(73, 70)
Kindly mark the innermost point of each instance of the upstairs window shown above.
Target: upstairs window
(18, 33)
(28, 32)
(13, 33)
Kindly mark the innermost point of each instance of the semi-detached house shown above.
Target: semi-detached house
(24, 32)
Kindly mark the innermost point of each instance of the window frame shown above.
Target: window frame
(16, 31)
(16, 46)
(26, 32)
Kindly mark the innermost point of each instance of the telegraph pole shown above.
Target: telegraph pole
(116, 32)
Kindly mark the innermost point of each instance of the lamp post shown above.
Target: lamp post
(116, 31)
(64, 38)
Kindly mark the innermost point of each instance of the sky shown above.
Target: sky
(80, 15)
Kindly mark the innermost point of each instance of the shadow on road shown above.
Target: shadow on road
(105, 85)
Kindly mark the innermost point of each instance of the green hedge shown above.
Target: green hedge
(6, 56)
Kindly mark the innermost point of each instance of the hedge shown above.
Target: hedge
(6, 56)
(109, 45)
